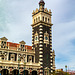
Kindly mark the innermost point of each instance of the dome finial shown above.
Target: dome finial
(41, 5)
(41, 1)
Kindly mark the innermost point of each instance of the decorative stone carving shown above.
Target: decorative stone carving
(46, 38)
(36, 39)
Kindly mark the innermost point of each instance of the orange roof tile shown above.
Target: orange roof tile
(15, 45)
(28, 47)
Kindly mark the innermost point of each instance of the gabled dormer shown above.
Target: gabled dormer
(22, 46)
(3, 42)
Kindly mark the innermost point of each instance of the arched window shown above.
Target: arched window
(34, 20)
(42, 18)
(45, 19)
(38, 19)
(48, 20)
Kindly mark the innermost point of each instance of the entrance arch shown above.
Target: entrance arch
(26, 72)
(34, 72)
(4, 72)
(15, 72)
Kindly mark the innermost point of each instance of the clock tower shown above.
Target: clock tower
(42, 38)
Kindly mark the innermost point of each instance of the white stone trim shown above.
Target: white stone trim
(50, 53)
(51, 67)
(40, 26)
(50, 47)
(51, 64)
(40, 55)
(40, 29)
(32, 41)
(51, 60)
(41, 42)
(51, 57)
(40, 48)
(40, 52)
(51, 70)
(40, 45)
(40, 32)
(41, 38)
(32, 35)
(32, 48)
(41, 59)
(41, 70)
(32, 38)
(40, 35)
(41, 62)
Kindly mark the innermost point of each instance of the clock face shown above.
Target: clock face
(46, 38)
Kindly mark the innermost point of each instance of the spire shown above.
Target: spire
(41, 5)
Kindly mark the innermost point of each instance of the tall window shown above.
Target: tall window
(48, 20)
(38, 19)
(34, 20)
(43, 18)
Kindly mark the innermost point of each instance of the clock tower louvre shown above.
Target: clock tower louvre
(42, 38)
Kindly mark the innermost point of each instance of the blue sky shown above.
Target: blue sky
(16, 20)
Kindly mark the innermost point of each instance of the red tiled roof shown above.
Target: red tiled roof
(12, 44)
(16, 44)
(28, 47)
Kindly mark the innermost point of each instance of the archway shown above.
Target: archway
(34, 72)
(15, 72)
(25, 72)
(4, 72)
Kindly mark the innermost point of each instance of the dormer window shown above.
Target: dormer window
(4, 42)
(22, 46)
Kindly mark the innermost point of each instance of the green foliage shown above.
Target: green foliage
(61, 73)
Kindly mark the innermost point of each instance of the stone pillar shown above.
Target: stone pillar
(17, 56)
(8, 56)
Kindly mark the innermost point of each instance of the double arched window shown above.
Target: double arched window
(36, 19)
(45, 19)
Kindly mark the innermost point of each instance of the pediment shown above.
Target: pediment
(22, 42)
(4, 38)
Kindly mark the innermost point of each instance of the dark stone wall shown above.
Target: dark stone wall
(46, 49)
(36, 29)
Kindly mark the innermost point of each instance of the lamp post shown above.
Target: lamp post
(24, 64)
(18, 65)
(66, 69)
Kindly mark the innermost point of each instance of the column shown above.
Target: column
(8, 56)
(41, 48)
(51, 58)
